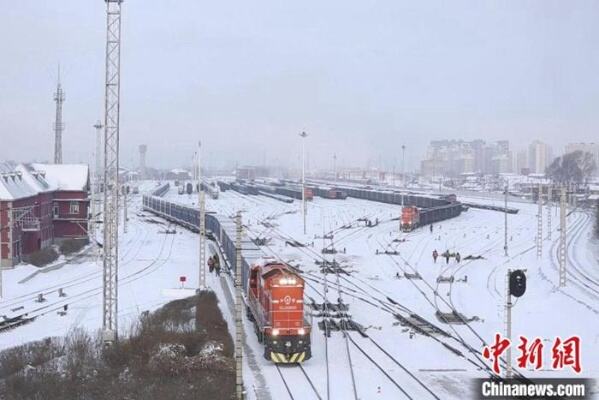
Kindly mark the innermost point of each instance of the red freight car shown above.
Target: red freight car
(309, 194)
(410, 218)
(276, 305)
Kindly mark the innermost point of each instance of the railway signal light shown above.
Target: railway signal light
(517, 283)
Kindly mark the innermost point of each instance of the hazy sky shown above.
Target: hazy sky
(361, 77)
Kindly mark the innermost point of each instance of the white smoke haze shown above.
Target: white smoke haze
(362, 78)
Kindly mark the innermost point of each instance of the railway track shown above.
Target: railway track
(290, 379)
(26, 298)
(44, 309)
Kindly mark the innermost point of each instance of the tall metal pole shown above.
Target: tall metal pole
(111, 170)
(202, 204)
(238, 307)
(403, 165)
(97, 187)
(303, 136)
(508, 324)
(335, 167)
(125, 208)
(58, 124)
(505, 248)
(562, 237)
(548, 208)
(540, 223)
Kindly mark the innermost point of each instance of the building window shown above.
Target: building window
(74, 207)
(55, 211)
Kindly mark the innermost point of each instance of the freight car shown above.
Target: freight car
(211, 188)
(428, 209)
(276, 306)
(223, 186)
(413, 217)
(286, 335)
(330, 193)
(295, 192)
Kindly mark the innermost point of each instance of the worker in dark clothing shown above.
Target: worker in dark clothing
(447, 256)
(431, 227)
(217, 266)
(458, 257)
(211, 264)
(435, 255)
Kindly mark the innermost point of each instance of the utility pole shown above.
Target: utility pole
(58, 124)
(562, 237)
(111, 171)
(540, 223)
(125, 208)
(508, 324)
(202, 204)
(505, 218)
(303, 135)
(238, 307)
(548, 208)
(335, 167)
(403, 165)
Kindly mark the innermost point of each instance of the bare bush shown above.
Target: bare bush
(43, 257)
(71, 246)
(182, 350)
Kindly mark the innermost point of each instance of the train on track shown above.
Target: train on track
(274, 292)
(275, 303)
(417, 210)
(330, 193)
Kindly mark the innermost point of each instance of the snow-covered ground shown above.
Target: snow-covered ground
(392, 361)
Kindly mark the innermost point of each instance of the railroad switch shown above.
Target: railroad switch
(328, 325)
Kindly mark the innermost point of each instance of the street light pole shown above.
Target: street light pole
(403, 165)
(505, 218)
(202, 224)
(303, 135)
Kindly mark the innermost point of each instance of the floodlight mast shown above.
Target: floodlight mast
(111, 170)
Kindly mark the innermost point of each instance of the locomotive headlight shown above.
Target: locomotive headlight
(301, 331)
(275, 332)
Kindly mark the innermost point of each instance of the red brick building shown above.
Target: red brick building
(40, 204)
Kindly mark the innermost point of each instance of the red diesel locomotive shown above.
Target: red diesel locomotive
(410, 218)
(276, 306)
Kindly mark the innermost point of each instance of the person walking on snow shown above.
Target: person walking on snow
(435, 255)
(446, 256)
(458, 257)
(211, 264)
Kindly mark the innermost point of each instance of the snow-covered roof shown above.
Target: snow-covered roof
(18, 182)
(65, 176)
(26, 180)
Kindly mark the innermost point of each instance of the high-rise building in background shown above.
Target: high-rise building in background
(455, 157)
(539, 157)
(521, 166)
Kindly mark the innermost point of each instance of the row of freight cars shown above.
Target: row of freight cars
(293, 191)
(208, 187)
(274, 292)
(417, 210)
